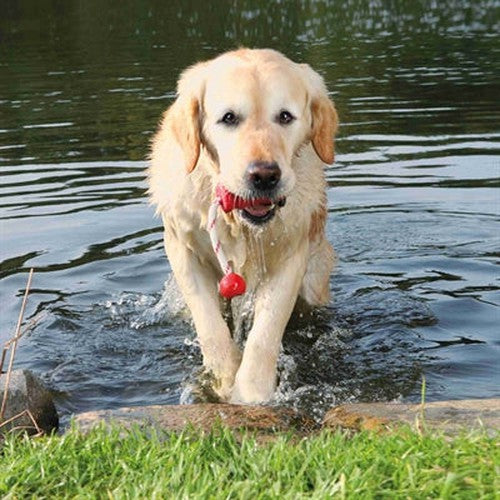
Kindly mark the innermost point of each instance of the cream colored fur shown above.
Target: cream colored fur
(192, 152)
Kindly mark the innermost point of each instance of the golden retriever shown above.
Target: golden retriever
(261, 126)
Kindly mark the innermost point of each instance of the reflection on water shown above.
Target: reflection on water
(413, 197)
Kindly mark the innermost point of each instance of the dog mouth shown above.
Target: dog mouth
(256, 210)
(261, 210)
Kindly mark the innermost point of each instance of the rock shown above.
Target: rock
(264, 421)
(26, 392)
(449, 416)
(260, 419)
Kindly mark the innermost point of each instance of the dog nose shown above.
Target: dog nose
(263, 175)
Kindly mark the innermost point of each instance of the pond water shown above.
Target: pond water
(413, 198)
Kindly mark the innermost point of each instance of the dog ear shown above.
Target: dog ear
(323, 114)
(324, 127)
(183, 118)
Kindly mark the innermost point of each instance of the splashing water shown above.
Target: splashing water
(142, 349)
(170, 305)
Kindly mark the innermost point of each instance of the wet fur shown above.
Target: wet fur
(192, 153)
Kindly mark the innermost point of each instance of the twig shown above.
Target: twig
(15, 417)
(35, 425)
(33, 322)
(14, 345)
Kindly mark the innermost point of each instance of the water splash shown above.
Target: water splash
(142, 349)
(170, 305)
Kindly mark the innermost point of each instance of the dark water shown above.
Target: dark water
(413, 198)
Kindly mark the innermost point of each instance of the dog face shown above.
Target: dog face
(253, 110)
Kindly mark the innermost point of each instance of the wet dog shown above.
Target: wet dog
(262, 127)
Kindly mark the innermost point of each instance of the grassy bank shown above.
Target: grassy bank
(115, 464)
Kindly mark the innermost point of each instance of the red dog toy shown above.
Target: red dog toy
(228, 201)
(232, 284)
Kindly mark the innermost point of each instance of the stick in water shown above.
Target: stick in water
(14, 345)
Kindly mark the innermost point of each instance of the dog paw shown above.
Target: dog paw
(222, 386)
(252, 391)
(223, 373)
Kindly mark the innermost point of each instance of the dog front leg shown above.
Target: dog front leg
(256, 378)
(198, 285)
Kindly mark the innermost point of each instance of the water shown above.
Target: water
(413, 199)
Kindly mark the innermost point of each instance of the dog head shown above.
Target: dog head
(252, 111)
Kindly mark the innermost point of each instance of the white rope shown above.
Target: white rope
(216, 245)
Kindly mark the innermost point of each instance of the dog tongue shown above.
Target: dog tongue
(259, 209)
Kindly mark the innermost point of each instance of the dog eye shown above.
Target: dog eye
(285, 117)
(230, 118)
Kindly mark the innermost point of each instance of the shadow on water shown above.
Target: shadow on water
(413, 199)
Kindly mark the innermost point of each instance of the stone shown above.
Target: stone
(27, 392)
(265, 421)
(259, 419)
(449, 416)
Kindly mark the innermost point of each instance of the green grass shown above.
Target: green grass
(133, 464)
